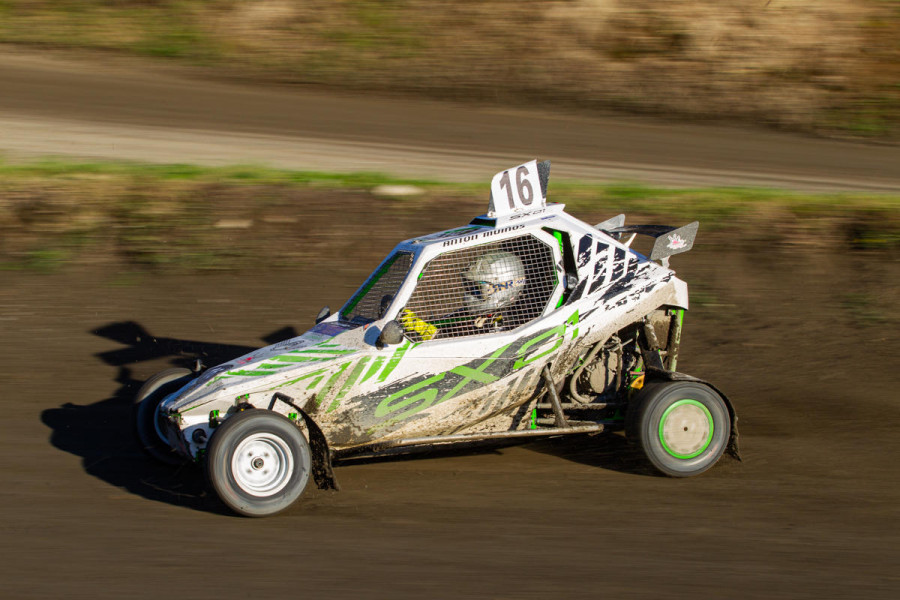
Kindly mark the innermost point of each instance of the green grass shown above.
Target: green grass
(165, 217)
(712, 202)
(250, 174)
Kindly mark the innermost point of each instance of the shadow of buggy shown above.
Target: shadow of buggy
(103, 435)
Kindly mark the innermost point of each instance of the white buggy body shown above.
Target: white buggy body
(408, 361)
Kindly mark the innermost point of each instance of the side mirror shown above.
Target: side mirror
(323, 314)
(391, 334)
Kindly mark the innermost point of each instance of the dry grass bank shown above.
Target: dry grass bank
(825, 65)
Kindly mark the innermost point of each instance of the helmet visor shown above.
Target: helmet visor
(479, 290)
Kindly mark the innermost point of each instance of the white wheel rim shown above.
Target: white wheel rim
(686, 429)
(262, 464)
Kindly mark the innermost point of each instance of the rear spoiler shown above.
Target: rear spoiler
(669, 240)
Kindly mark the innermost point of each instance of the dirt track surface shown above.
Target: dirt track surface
(812, 512)
(139, 112)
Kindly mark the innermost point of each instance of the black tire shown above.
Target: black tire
(682, 427)
(147, 419)
(258, 463)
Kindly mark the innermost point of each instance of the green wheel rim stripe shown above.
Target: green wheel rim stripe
(665, 416)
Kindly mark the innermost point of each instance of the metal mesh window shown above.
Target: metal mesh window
(481, 289)
(370, 302)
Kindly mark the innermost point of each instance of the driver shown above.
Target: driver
(491, 283)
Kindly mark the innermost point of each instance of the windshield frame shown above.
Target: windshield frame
(345, 315)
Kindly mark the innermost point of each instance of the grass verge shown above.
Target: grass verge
(183, 217)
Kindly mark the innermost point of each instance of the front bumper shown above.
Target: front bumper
(175, 436)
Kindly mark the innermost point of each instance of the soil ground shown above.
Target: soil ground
(800, 337)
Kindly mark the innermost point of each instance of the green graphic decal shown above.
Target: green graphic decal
(562, 252)
(323, 350)
(248, 373)
(319, 352)
(559, 331)
(299, 359)
(426, 398)
(573, 321)
(354, 375)
(376, 364)
(468, 374)
(320, 395)
(424, 394)
(395, 360)
(316, 377)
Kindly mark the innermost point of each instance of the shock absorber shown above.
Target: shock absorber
(651, 346)
(675, 325)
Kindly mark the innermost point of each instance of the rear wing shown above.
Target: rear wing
(669, 240)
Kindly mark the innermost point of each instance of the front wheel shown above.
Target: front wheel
(258, 463)
(682, 427)
(148, 420)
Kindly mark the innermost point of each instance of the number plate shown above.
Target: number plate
(516, 189)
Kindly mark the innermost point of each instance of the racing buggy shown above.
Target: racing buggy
(525, 323)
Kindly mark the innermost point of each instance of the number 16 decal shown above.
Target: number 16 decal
(516, 189)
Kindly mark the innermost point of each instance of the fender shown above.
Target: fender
(322, 470)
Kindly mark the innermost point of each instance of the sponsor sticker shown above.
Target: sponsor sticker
(676, 242)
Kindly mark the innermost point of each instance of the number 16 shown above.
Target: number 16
(523, 194)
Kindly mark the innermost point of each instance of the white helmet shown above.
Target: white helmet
(493, 281)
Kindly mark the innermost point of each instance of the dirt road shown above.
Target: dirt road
(137, 111)
(793, 335)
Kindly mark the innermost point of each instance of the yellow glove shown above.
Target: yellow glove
(411, 322)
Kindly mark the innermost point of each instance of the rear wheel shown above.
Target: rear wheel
(258, 463)
(148, 420)
(682, 427)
